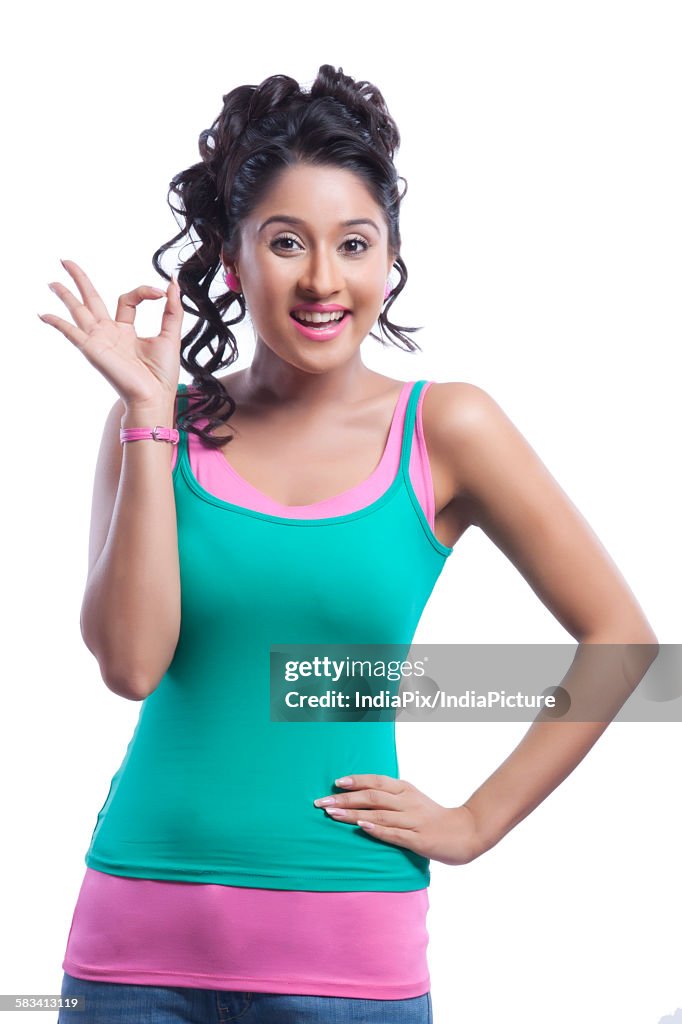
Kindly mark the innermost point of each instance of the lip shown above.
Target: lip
(322, 333)
(318, 307)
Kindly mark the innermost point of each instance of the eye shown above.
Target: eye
(284, 238)
(361, 241)
(355, 240)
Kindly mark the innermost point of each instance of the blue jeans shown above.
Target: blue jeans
(113, 1003)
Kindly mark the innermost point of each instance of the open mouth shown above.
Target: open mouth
(319, 321)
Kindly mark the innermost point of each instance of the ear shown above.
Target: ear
(227, 263)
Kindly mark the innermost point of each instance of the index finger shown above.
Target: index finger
(89, 293)
(368, 781)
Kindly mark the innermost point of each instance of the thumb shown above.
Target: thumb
(171, 321)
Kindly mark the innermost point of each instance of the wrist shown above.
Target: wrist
(147, 416)
(482, 839)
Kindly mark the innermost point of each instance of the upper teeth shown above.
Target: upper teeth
(318, 318)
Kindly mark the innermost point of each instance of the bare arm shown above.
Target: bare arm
(528, 516)
(130, 615)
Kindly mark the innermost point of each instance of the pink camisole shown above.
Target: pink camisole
(368, 945)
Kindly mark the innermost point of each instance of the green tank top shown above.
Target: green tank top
(211, 789)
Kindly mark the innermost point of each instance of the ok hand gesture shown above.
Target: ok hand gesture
(144, 371)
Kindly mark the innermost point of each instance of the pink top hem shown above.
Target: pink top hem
(231, 982)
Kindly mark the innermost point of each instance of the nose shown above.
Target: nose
(321, 274)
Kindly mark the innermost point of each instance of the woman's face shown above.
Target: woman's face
(318, 259)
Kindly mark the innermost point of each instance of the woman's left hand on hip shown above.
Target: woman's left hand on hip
(396, 812)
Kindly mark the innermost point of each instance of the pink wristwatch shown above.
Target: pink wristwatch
(155, 433)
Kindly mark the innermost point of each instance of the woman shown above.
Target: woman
(222, 883)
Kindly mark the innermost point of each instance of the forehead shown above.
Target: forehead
(321, 195)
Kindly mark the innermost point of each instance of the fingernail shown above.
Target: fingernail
(337, 811)
(366, 824)
(325, 801)
(159, 291)
(345, 781)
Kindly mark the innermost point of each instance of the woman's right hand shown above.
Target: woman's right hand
(144, 371)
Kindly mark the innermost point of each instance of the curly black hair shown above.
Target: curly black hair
(260, 131)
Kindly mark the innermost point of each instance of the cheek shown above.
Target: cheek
(368, 289)
(371, 299)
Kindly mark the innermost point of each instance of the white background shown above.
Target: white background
(541, 231)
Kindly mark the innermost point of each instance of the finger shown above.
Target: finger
(389, 819)
(384, 782)
(396, 836)
(89, 293)
(369, 798)
(171, 321)
(80, 313)
(126, 307)
(74, 334)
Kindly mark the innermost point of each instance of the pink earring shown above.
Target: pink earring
(387, 291)
(231, 281)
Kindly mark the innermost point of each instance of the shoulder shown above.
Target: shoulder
(457, 410)
(466, 431)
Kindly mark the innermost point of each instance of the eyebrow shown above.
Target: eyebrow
(297, 220)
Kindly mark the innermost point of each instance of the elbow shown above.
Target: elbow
(653, 649)
(132, 682)
(646, 642)
(129, 682)
(633, 643)
(632, 632)
(637, 647)
(642, 648)
(128, 687)
(653, 646)
(118, 679)
(121, 669)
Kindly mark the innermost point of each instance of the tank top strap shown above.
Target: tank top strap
(409, 427)
(182, 398)
(182, 407)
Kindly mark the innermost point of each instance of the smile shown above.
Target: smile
(317, 318)
(320, 326)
